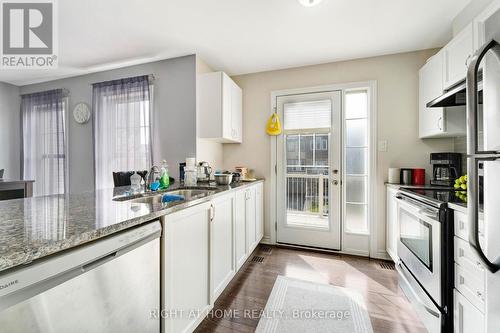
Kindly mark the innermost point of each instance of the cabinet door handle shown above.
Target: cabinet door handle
(440, 123)
(467, 60)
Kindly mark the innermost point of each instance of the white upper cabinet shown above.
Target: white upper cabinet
(431, 120)
(456, 55)
(219, 108)
(442, 71)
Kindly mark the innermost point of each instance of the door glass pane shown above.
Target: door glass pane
(321, 149)
(355, 218)
(292, 150)
(356, 132)
(356, 161)
(306, 150)
(356, 191)
(307, 157)
(356, 104)
(307, 115)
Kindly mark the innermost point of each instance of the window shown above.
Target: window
(307, 153)
(44, 141)
(122, 127)
(356, 161)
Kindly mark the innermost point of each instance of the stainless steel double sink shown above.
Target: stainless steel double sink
(156, 198)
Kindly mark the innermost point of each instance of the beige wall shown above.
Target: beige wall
(206, 150)
(397, 85)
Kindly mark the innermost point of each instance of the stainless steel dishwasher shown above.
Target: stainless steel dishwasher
(111, 285)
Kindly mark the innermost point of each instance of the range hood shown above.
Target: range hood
(456, 95)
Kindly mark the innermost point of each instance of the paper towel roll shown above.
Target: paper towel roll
(393, 177)
(190, 162)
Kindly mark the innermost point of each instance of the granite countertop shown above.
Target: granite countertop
(33, 228)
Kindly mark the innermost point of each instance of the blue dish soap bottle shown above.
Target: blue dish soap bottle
(164, 177)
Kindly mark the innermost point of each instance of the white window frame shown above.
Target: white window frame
(351, 243)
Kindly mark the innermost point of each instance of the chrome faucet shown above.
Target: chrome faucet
(153, 175)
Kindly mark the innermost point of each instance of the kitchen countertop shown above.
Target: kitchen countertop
(34, 228)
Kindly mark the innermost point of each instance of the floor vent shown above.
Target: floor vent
(387, 265)
(266, 249)
(258, 259)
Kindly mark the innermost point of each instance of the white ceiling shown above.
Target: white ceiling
(239, 36)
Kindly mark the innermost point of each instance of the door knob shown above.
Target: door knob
(335, 171)
(335, 182)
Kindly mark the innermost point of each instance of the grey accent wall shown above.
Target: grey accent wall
(10, 128)
(174, 105)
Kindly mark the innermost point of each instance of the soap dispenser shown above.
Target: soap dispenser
(164, 177)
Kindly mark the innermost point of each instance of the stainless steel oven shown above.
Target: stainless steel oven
(423, 257)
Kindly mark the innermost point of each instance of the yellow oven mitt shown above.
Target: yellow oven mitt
(273, 125)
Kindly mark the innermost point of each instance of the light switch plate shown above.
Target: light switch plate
(382, 145)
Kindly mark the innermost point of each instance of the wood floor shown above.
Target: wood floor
(249, 290)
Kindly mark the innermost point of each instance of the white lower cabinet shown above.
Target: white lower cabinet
(392, 225)
(467, 318)
(202, 249)
(221, 237)
(240, 244)
(259, 211)
(470, 285)
(186, 268)
(251, 219)
(249, 222)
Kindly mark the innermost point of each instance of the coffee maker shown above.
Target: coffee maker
(446, 167)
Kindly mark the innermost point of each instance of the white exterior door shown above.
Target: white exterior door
(309, 170)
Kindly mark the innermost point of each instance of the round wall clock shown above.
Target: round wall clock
(81, 113)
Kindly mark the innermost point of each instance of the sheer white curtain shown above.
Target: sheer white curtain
(44, 141)
(122, 127)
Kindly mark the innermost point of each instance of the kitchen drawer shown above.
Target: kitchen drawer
(470, 286)
(466, 317)
(462, 227)
(467, 258)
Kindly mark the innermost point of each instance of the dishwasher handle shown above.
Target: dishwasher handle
(98, 262)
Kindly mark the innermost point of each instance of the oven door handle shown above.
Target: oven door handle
(419, 209)
(428, 309)
(429, 213)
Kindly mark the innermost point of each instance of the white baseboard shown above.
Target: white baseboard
(378, 255)
(355, 252)
(381, 255)
(266, 240)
